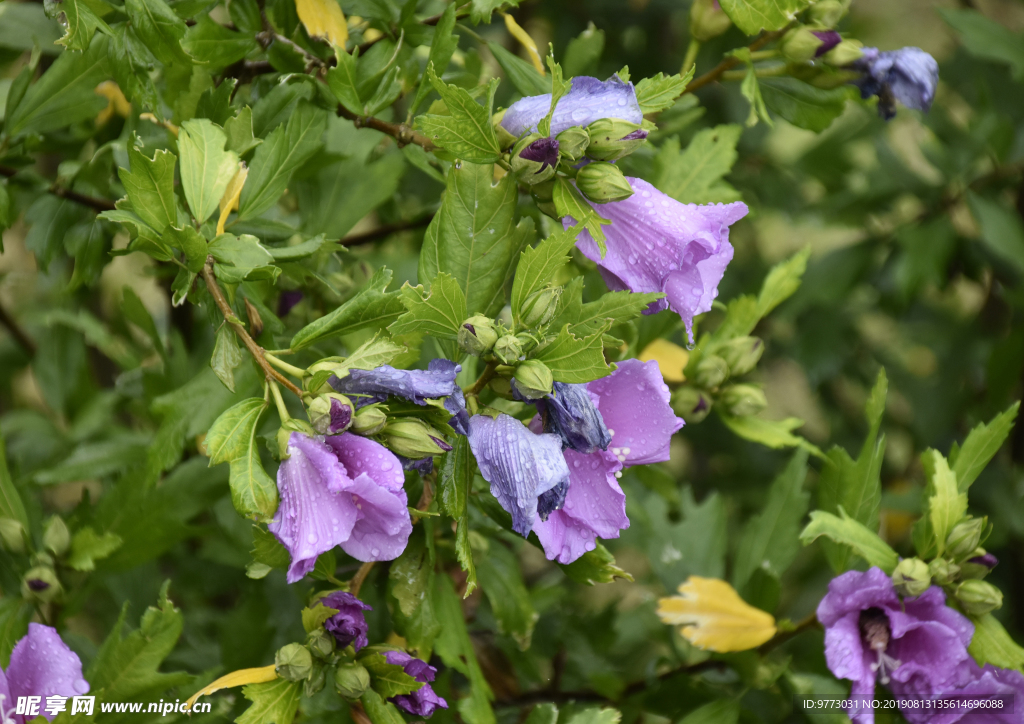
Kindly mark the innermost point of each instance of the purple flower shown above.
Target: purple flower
(287, 300)
(633, 402)
(588, 100)
(829, 39)
(657, 244)
(907, 75)
(424, 700)
(544, 151)
(918, 644)
(570, 412)
(41, 665)
(958, 703)
(519, 464)
(348, 625)
(455, 403)
(365, 387)
(341, 490)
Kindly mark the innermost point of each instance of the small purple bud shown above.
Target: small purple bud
(637, 135)
(341, 415)
(829, 39)
(988, 560)
(441, 443)
(37, 584)
(286, 301)
(544, 151)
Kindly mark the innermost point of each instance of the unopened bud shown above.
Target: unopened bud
(321, 643)
(741, 354)
(828, 13)
(533, 379)
(710, 372)
(477, 335)
(508, 349)
(293, 662)
(12, 535)
(369, 420)
(542, 194)
(965, 537)
(800, 44)
(285, 434)
(613, 138)
(978, 597)
(41, 584)
(331, 413)
(414, 439)
(743, 400)
(351, 680)
(540, 307)
(505, 139)
(979, 565)
(314, 683)
(707, 20)
(534, 159)
(911, 577)
(603, 182)
(572, 143)
(691, 404)
(943, 572)
(56, 537)
(844, 53)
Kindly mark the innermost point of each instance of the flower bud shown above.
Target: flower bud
(285, 433)
(542, 194)
(331, 413)
(844, 53)
(965, 537)
(534, 159)
(978, 565)
(414, 439)
(828, 13)
(800, 45)
(572, 143)
(540, 307)
(321, 642)
(602, 182)
(613, 138)
(12, 535)
(743, 400)
(943, 572)
(293, 662)
(533, 379)
(56, 537)
(707, 20)
(741, 354)
(314, 683)
(508, 349)
(351, 680)
(710, 372)
(505, 139)
(502, 388)
(477, 335)
(978, 597)
(369, 420)
(911, 577)
(691, 404)
(41, 584)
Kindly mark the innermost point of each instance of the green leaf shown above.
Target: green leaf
(388, 680)
(344, 84)
(206, 168)
(160, 29)
(583, 53)
(750, 88)
(596, 566)
(15, 615)
(136, 313)
(802, 104)
(244, 255)
(441, 50)
(371, 306)
(575, 360)
(227, 355)
(455, 649)
(981, 445)
(302, 250)
(131, 62)
(474, 236)
(11, 505)
(336, 198)
(752, 16)
(945, 503)
(523, 76)
(315, 616)
(782, 281)
(660, 91)
(232, 439)
(456, 478)
(543, 714)
(595, 715)
(464, 552)
(694, 176)
(273, 702)
(210, 42)
(986, 38)
(617, 307)
(439, 313)
(411, 576)
(374, 352)
(569, 202)
(991, 644)
(481, 10)
(238, 130)
(502, 582)
(538, 264)
(80, 24)
(87, 547)
(769, 540)
(720, 711)
(846, 531)
(466, 132)
(288, 148)
(380, 711)
(94, 460)
(192, 244)
(267, 551)
(1001, 229)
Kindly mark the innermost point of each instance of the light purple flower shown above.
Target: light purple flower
(424, 700)
(364, 387)
(958, 703)
(341, 490)
(519, 464)
(908, 75)
(41, 665)
(588, 100)
(348, 625)
(657, 244)
(571, 413)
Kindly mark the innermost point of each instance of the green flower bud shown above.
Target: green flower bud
(41, 584)
(351, 680)
(412, 438)
(743, 400)
(505, 139)
(710, 372)
(602, 182)
(293, 662)
(331, 413)
(978, 597)
(828, 13)
(970, 570)
(965, 538)
(477, 335)
(845, 53)
(534, 159)
(911, 577)
(12, 535)
(542, 194)
(691, 404)
(321, 643)
(314, 683)
(707, 20)
(741, 354)
(613, 138)
(799, 44)
(540, 307)
(502, 388)
(508, 349)
(533, 379)
(943, 572)
(285, 433)
(56, 537)
(572, 143)
(368, 421)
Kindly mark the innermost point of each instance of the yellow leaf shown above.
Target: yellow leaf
(714, 617)
(117, 103)
(671, 358)
(525, 40)
(241, 677)
(323, 19)
(229, 201)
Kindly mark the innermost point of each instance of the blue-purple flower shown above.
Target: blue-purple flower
(424, 700)
(365, 387)
(348, 625)
(588, 100)
(41, 665)
(341, 490)
(571, 413)
(977, 695)
(657, 244)
(908, 75)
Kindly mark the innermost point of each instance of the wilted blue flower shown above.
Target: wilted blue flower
(41, 665)
(907, 75)
(348, 625)
(365, 387)
(569, 412)
(424, 700)
(588, 100)
(519, 464)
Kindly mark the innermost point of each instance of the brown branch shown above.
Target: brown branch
(92, 202)
(361, 574)
(255, 350)
(399, 131)
(715, 73)
(19, 334)
(486, 376)
(387, 230)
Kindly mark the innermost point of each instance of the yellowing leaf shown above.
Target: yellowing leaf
(117, 102)
(236, 678)
(525, 40)
(229, 201)
(671, 358)
(714, 617)
(323, 19)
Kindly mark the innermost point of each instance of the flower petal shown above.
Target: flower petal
(855, 591)
(382, 530)
(588, 100)
(348, 625)
(714, 617)
(365, 387)
(42, 665)
(424, 700)
(572, 415)
(363, 455)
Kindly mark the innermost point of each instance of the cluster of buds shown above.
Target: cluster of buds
(708, 377)
(40, 584)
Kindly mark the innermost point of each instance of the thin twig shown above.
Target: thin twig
(399, 131)
(19, 334)
(808, 622)
(387, 230)
(361, 574)
(236, 324)
(715, 73)
(486, 376)
(91, 201)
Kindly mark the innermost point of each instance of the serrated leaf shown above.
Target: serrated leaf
(232, 439)
(380, 711)
(388, 680)
(573, 359)
(596, 566)
(81, 23)
(502, 583)
(160, 29)
(846, 531)
(981, 445)
(596, 715)
(466, 132)
(267, 550)
(658, 92)
(456, 478)
(206, 168)
(617, 307)
(694, 176)
(946, 504)
(228, 437)
(441, 50)
(543, 714)
(538, 264)
(273, 702)
(439, 312)
(991, 644)
(314, 617)
(523, 76)
(802, 104)
(238, 130)
(88, 546)
(212, 43)
(227, 355)
(192, 244)
(569, 202)
(752, 16)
